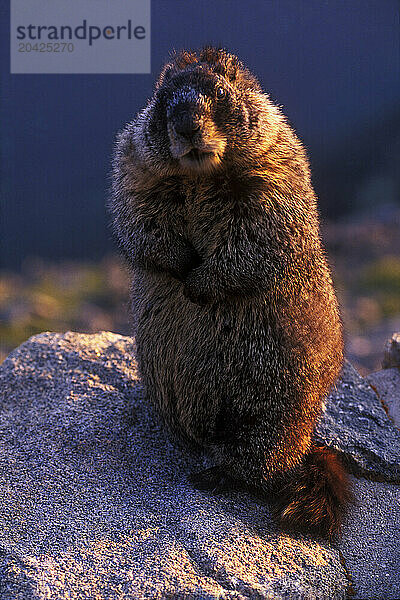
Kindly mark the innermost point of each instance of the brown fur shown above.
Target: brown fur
(314, 500)
(236, 321)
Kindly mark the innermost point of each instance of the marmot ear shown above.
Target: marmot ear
(185, 58)
(211, 55)
(178, 61)
(165, 74)
(221, 62)
(231, 67)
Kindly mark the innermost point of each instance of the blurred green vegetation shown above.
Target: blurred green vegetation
(383, 274)
(365, 256)
(89, 297)
(70, 295)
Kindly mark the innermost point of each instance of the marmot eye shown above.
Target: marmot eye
(221, 92)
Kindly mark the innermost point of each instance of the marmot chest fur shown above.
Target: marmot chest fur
(236, 321)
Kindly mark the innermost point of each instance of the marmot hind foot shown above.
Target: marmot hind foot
(214, 479)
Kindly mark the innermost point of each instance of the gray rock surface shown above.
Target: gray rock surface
(356, 424)
(386, 384)
(371, 541)
(96, 502)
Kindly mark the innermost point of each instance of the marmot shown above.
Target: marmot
(237, 326)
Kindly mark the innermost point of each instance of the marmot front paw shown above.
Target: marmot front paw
(194, 292)
(188, 260)
(196, 297)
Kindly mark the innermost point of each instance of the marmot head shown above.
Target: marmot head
(206, 107)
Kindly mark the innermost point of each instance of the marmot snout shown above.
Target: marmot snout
(237, 326)
(194, 139)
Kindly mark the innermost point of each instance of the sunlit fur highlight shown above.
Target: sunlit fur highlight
(236, 321)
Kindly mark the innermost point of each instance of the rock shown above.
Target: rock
(386, 384)
(370, 541)
(96, 502)
(392, 352)
(356, 425)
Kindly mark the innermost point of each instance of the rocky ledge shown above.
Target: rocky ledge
(96, 503)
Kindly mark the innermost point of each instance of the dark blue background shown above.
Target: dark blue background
(333, 65)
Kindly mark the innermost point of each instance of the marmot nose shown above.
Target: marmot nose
(187, 128)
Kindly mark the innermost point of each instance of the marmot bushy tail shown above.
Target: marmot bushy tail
(237, 326)
(315, 499)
